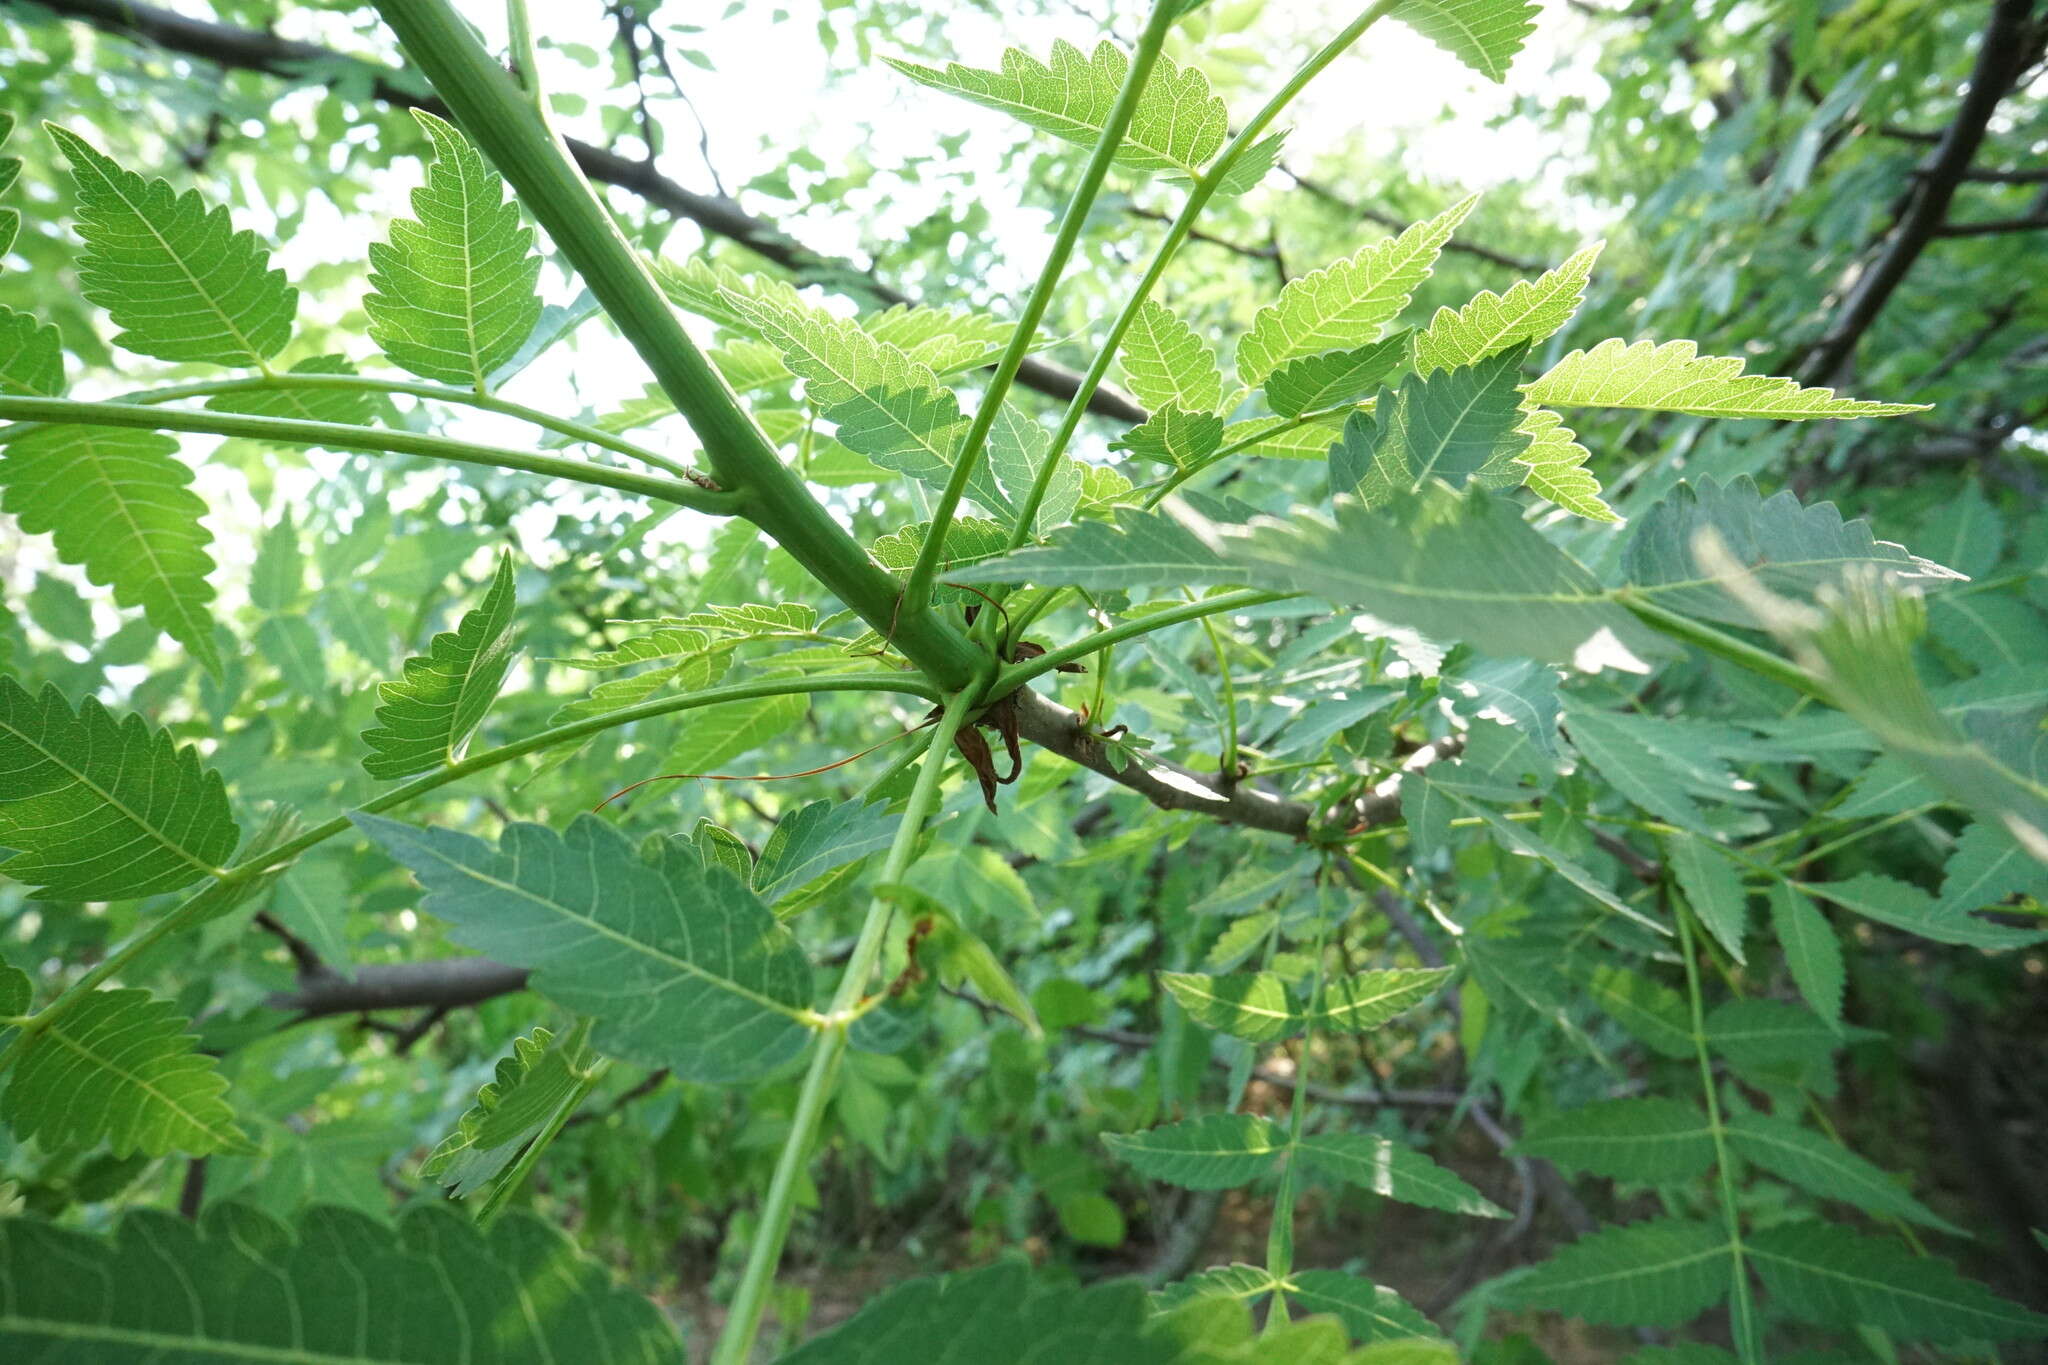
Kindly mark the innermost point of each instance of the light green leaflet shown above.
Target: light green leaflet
(428, 714)
(1335, 377)
(1393, 1172)
(538, 1077)
(1675, 377)
(1530, 311)
(1178, 126)
(1345, 305)
(1654, 1274)
(174, 275)
(1180, 439)
(1457, 425)
(1260, 1008)
(1643, 1141)
(119, 1067)
(31, 356)
(1483, 34)
(1836, 1278)
(1370, 1312)
(454, 291)
(100, 809)
(1167, 366)
(1556, 463)
(116, 502)
(680, 966)
(338, 1288)
(1214, 1152)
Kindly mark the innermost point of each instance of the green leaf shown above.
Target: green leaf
(1985, 868)
(713, 736)
(1523, 841)
(1483, 34)
(1905, 906)
(1345, 305)
(294, 649)
(1393, 1172)
(1773, 1038)
(119, 1066)
(1812, 952)
(1135, 548)
(429, 713)
(1370, 1312)
(1556, 463)
(1365, 1000)
(1335, 377)
(813, 840)
(1167, 366)
(1214, 1152)
(680, 965)
(115, 502)
(1180, 439)
(1675, 377)
(1454, 567)
(1665, 764)
(100, 809)
(1530, 311)
(1455, 425)
(1006, 1314)
(1653, 1014)
(1827, 1169)
(454, 291)
(174, 275)
(337, 1286)
(1177, 126)
(1654, 1274)
(1253, 1006)
(1643, 1141)
(278, 576)
(31, 355)
(535, 1080)
(1836, 1278)
(1783, 546)
(946, 339)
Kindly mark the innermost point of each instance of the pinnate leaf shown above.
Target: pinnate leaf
(1178, 125)
(429, 713)
(1483, 34)
(1393, 1172)
(176, 277)
(1645, 1141)
(1675, 377)
(101, 809)
(1167, 366)
(1837, 1278)
(1653, 1274)
(115, 502)
(680, 965)
(1345, 305)
(119, 1066)
(454, 292)
(1214, 1152)
(337, 1286)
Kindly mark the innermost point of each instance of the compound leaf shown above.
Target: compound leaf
(101, 809)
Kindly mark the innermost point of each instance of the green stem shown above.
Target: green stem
(203, 901)
(917, 589)
(586, 1081)
(1744, 1324)
(1721, 644)
(743, 1319)
(496, 115)
(1016, 675)
(1280, 1235)
(374, 440)
(439, 393)
(1198, 199)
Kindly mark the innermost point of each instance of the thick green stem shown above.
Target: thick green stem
(1721, 644)
(497, 116)
(1743, 1323)
(917, 590)
(202, 902)
(743, 1319)
(439, 393)
(1198, 199)
(373, 440)
(1016, 675)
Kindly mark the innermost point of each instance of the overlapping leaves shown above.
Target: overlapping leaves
(429, 713)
